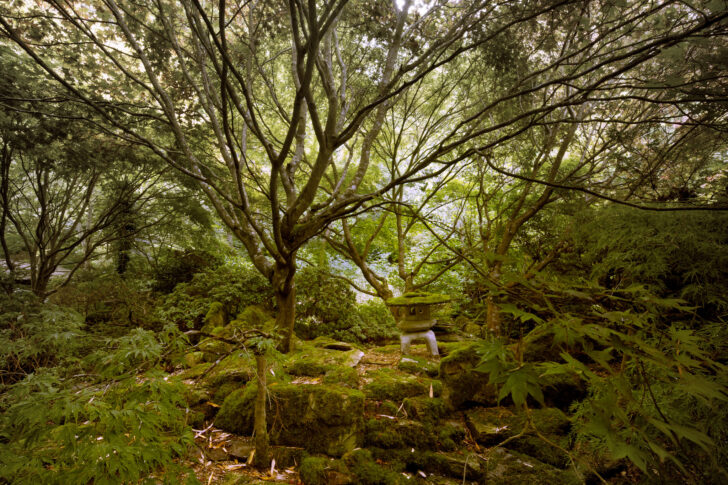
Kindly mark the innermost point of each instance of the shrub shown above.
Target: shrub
(233, 287)
(326, 306)
(177, 267)
(81, 408)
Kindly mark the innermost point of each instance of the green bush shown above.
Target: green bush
(176, 267)
(656, 394)
(233, 287)
(34, 335)
(81, 408)
(677, 254)
(326, 306)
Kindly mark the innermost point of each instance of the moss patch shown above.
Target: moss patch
(365, 471)
(343, 376)
(512, 468)
(395, 385)
(313, 361)
(403, 433)
(425, 409)
(448, 464)
(418, 366)
(418, 298)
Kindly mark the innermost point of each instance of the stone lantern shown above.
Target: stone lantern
(414, 318)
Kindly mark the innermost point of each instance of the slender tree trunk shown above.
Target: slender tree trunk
(492, 321)
(260, 425)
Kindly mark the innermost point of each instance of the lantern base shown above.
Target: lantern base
(406, 339)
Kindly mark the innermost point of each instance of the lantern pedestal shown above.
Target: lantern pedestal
(405, 340)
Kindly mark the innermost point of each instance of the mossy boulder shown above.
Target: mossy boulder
(450, 435)
(507, 467)
(491, 426)
(192, 359)
(462, 385)
(254, 316)
(313, 361)
(343, 376)
(401, 433)
(451, 464)
(212, 349)
(424, 408)
(235, 369)
(418, 366)
(319, 418)
(366, 471)
(215, 317)
(395, 385)
(319, 470)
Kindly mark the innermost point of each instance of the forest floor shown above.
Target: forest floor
(405, 441)
(214, 465)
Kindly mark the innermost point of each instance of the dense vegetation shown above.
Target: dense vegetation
(204, 208)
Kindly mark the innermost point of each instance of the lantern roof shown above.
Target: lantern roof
(418, 298)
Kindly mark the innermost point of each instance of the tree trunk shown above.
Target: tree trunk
(492, 322)
(260, 425)
(285, 293)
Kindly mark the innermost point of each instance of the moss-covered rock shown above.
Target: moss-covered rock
(236, 412)
(307, 366)
(329, 343)
(224, 390)
(490, 426)
(343, 376)
(365, 471)
(543, 451)
(215, 317)
(254, 316)
(196, 371)
(450, 464)
(508, 467)
(212, 349)
(192, 359)
(396, 385)
(312, 361)
(462, 385)
(450, 435)
(418, 366)
(386, 408)
(424, 408)
(317, 470)
(195, 419)
(319, 418)
(236, 369)
(402, 433)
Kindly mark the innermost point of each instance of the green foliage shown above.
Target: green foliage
(177, 267)
(233, 287)
(81, 408)
(33, 335)
(677, 254)
(654, 385)
(326, 306)
(108, 301)
(515, 379)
